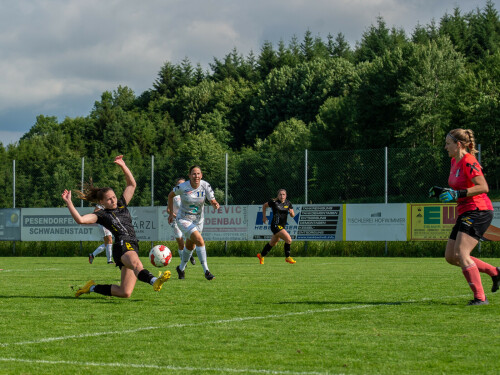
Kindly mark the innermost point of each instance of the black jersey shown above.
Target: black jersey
(118, 221)
(280, 211)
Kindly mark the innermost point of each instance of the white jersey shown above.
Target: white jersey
(177, 204)
(175, 208)
(192, 200)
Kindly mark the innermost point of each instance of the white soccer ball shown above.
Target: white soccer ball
(160, 256)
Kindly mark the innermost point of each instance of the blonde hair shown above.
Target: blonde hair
(466, 137)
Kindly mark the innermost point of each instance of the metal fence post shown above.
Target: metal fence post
(152, 180)
(305, 189)
(81, 200)
(14, 198)
(305, 178)
(152, 184)
(225, 194)
(479, 160)
(386, 183)
(81, 180)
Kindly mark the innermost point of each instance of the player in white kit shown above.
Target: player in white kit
(179, 238)
(190, 217)
(107, 245)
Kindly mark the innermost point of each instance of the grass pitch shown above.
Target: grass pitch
(318, 316)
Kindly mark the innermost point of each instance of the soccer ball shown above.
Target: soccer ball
(160, 256)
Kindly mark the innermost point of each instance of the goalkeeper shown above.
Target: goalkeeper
(469, 189)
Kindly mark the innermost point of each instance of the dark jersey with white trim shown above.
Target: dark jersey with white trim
(118, 221)
(280, 211)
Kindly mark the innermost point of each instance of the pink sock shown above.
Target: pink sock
(473, 277)
(485, 267)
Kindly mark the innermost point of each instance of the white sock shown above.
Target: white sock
(92, 288)
(186, 255)
(99, 250)
(152, 281)
(202, 256)
(109, 252)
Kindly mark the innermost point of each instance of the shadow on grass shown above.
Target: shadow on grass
(91, 298)
(373, 303)
(338, 303)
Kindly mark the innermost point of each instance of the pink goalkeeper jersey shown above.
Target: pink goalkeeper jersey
(461, 175)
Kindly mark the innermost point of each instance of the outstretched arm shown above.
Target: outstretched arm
(85, 219)
(128, 193)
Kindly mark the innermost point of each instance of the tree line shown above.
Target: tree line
(392, 89)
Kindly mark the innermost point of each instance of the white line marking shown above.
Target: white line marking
(181, 325)
(222, 321)
(156, 367)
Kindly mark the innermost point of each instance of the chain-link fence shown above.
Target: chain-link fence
(358, 176)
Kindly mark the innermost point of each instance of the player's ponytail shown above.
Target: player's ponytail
(472, 141)
(92, 193)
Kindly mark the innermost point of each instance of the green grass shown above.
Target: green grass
(320, 315)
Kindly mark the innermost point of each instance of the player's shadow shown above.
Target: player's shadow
(86, 298)
(372, 303)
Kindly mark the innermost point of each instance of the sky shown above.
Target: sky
(58, 56)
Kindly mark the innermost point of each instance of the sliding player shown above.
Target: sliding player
(116, 217)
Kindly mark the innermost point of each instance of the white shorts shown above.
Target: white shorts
(177, 231)
(105, 231)
(187, 227)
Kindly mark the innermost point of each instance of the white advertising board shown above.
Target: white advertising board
(228, 223)
(375, 222)
(56, 224)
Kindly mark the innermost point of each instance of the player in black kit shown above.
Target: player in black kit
(281, 208)
(116, 217)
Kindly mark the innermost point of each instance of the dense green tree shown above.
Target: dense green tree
(289, 136)
(267, 60)
(298, 93)
(340, 47)
(428, 92)
(379, 39)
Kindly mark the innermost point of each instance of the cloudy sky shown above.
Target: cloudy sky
(58, 56)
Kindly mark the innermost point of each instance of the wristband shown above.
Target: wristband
(462, 193)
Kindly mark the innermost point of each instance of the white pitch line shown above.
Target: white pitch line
(181, 325)
(157, 367)
(222, 321)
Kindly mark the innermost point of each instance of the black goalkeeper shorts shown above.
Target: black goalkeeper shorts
(474, 223)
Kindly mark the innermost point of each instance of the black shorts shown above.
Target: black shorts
(121, 247)
(275, 228)
(474, 223)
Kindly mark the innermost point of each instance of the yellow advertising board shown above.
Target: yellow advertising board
(430, 221)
